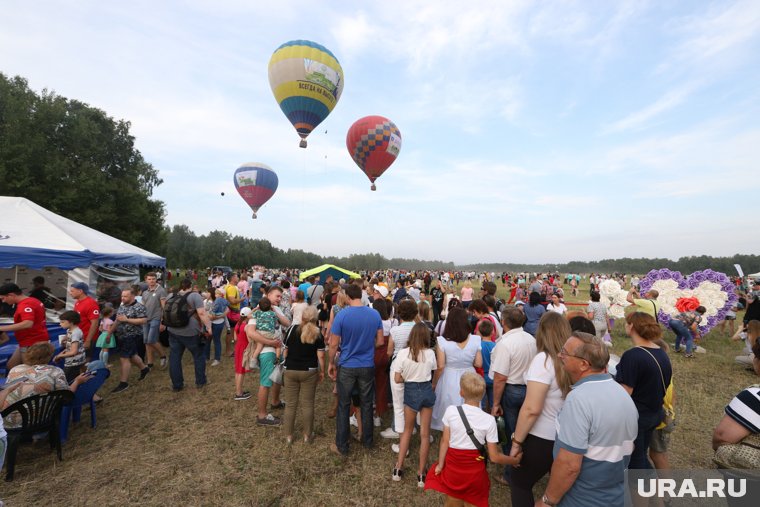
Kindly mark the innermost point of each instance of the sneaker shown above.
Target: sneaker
(688, 356)
(353, 422)
(269, 420)
(144, 373)
(149, 365)
(162, 362)
(430, 438)
(420, 480)
(397, 473)
(215, 362)
(278, 406)
(241, 397)
(396, 448)
(123, 386)
(389, 433)
(377, 421)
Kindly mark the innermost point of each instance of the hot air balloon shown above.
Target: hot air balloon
(374, 143)
(307, 81)
(256, 183)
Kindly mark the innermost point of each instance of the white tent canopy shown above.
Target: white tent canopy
(34, 237)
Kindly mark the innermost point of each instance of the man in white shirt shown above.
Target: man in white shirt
(510, 360)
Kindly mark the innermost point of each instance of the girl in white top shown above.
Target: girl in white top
(547, 385)
(396, 340)
(414, 366)
(556, 306)
(298, 307)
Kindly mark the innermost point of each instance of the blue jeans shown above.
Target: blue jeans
(647, 423)
(364, 380)
(511, 402)
(683, 335)
(216, 333)
(177, 346)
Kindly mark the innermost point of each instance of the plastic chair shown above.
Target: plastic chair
(39, 413)
(84, 395)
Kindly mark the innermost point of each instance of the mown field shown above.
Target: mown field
(156, 447)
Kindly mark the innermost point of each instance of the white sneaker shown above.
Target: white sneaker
(396, 448)
(377, 421)
(430, 437)
(215, 362)
(389, 433)
(352, 421)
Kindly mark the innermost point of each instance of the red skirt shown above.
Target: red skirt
(464, 476)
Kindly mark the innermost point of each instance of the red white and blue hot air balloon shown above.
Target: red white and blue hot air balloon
(256, 183)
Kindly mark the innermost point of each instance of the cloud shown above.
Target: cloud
(639, 119)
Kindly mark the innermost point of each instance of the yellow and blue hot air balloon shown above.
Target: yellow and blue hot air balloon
(307, 81)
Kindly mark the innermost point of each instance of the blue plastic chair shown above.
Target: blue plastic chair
(84, 395)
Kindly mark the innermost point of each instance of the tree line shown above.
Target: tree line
(75, 160)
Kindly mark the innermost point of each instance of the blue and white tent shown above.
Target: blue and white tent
(34, 237)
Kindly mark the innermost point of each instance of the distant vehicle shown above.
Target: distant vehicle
(226, 270)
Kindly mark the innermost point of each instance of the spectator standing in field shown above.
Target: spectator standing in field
(555, 305)
(684, 325)
(466, 293)
(533, 312)
(304, 367)
(357, 330)
(88, 310)
(298, 307)
(644, 371)
(547, 385)
(647, 304)
(437, 295)
(457, 352)
(597, 313)
(73, 354)
(153, 299)
(28, 321)
(398, 337)
(594, 440)
(130, 319)
(188, 337)
(217, 313)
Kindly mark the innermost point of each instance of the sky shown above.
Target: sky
(533, 132)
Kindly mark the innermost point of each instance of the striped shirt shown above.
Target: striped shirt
(603, 433)
(745, 408)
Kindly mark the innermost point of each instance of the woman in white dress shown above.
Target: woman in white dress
(458, 352)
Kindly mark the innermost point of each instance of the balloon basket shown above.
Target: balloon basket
(373, 187)
(254, 216)
(302, 144)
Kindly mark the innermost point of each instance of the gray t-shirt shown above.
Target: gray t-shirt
(314, 293)
(193, 328)
(151, 300)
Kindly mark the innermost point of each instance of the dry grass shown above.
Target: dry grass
(156, 447)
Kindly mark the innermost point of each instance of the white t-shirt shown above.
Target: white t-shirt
(413, 371)
(483, 427)
(400, 335)
(297, 309)
(545, 425)
(561, 309)
(512, 355)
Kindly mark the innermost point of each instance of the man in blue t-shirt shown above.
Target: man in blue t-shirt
(357, 330)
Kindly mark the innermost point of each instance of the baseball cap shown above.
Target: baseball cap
(382, 290)
(520, 302)
(245, 311)
(9, 288)
(81, 286)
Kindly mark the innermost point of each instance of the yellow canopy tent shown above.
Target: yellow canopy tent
(325, 270)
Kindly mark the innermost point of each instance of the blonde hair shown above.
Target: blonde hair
(473, 386)
(467, 284)
(552, 333)
(309, 329)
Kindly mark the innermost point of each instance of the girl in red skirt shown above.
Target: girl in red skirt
(460, 472)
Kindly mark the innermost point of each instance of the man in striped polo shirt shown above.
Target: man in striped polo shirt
(595, 431)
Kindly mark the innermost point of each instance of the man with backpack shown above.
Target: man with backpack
(187, 322)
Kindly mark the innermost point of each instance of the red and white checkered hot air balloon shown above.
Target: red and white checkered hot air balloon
(374, 143)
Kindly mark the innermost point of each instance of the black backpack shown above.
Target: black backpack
(177, 311)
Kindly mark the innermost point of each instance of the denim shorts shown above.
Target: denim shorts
(150, 331)
(419, 395)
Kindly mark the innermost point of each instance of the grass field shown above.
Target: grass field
(156, 447)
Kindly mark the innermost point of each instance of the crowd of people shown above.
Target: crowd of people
(516, 380)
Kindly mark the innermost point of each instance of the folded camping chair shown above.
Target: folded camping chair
(39, 413)
(83, 396)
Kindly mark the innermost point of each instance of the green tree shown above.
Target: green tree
(76, 161)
